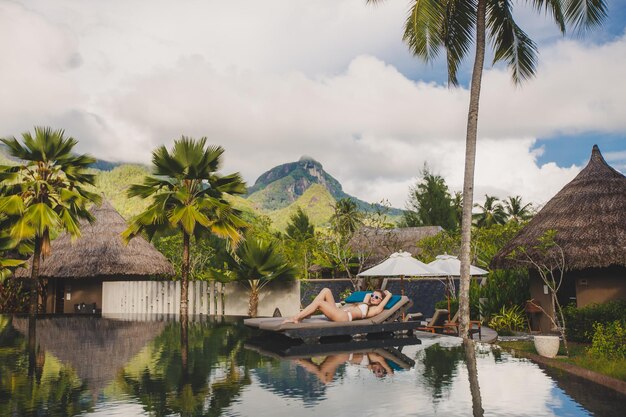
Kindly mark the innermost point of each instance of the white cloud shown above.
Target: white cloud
(275, 80)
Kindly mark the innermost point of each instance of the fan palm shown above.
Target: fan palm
(188, 196)
(491, 212)
(256, 263)
(515, 211)
(45, 192)
(433, 25)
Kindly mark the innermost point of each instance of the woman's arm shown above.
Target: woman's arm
(372, 311)
(367, 298)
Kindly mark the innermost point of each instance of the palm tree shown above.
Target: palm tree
(347, 218)
(256, 263)
(188, 196)
(515, 211)
(491, 213)
(450, 24)
(301, 232)
(45, 192)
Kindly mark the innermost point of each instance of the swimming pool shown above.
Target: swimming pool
(217, 367)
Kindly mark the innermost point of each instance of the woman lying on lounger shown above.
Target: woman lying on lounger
(372, 305)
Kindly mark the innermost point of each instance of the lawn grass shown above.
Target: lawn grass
(615, 368)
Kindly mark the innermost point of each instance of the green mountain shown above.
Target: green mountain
(284, 184)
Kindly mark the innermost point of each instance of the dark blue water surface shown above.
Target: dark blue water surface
(216, 367)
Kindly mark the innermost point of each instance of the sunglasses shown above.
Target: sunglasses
(377, 297)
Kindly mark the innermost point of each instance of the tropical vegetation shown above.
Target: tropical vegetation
(255, 263)
(45, 193)
(450, 25)
(187, 195)
(430, 203)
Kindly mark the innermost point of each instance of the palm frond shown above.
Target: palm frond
(458, 28)
(423, 30)
(585, 14)
(510, 42)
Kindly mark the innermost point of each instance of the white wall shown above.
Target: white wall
(163, 298)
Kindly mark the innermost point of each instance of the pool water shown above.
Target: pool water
(216, 367)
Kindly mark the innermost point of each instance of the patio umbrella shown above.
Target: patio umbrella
(401, 264)
(450, 266)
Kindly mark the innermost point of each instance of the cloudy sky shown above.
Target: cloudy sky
(273, 80)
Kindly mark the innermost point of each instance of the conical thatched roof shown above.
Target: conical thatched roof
(589, 215)
(100, 252)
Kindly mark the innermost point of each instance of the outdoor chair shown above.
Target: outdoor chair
(452, 326)
(437, 323)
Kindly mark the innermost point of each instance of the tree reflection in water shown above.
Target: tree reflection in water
(440, 367)
(191, 369)
(472, 371)
(47, 387)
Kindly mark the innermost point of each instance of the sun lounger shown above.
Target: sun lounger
(436, 323)
(286, 348)
(388, 321)
(453, 325)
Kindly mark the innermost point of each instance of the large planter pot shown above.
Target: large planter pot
(547, 346)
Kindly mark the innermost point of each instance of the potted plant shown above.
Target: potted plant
(548, 259)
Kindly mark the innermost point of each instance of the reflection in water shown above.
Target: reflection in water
(472, 371)
(87, 365)
(440, 368)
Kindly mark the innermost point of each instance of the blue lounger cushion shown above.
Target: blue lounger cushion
(359, 296)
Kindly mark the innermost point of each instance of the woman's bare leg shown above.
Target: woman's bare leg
(325, 296)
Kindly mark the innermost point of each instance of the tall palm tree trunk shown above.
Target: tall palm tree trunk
(184, 285)
(34, 301)
(470, 162)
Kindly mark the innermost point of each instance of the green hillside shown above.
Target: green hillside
(114, 184)
(316, 202)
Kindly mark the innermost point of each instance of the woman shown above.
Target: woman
(326, 370)
(372, 305)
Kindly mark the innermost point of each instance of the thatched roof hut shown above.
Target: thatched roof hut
(100, 252)
(383, 242)
(589, 216)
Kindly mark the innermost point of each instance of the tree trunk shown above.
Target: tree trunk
(253, 305)
(34, 303)
(470, 161)
(184, 285)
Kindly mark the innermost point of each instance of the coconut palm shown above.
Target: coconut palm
(515, 211)
(256, 263)
(188, 196)
(45, 192)
(433, 25)
(491, 212)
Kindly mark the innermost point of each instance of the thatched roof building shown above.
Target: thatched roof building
(383, 242)
(100, 252)
(589, 216)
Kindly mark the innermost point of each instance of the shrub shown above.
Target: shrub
(509, 320)
(580, 321)
(609, 340)
(504, 288)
